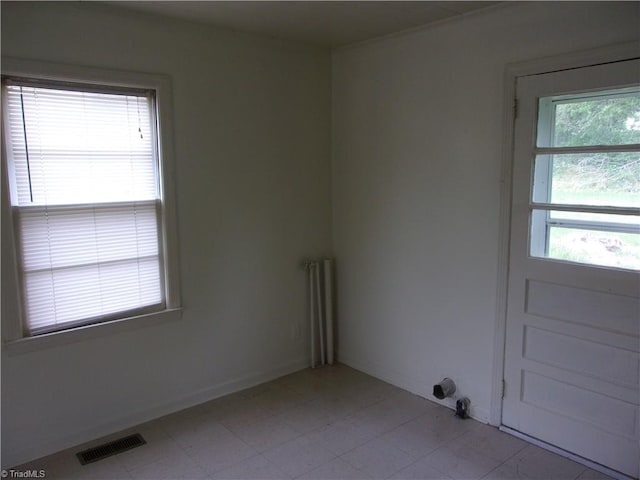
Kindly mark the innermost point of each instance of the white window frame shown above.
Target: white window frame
(541, 219)
(12, 315)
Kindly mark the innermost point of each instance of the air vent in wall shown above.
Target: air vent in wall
(112, 448)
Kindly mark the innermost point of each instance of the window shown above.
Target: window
(586, 186)
(88, 201)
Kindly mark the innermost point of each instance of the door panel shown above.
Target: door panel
(579, 305)
(572, 360)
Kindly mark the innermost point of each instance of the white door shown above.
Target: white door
(572, 364)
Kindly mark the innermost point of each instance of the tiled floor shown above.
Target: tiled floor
(328, 423)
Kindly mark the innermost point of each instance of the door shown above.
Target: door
(572, 363)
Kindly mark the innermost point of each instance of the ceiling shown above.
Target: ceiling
(324, 23)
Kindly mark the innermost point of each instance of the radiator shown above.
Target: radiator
(321, 311)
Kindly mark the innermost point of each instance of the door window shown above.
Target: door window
(586, 182)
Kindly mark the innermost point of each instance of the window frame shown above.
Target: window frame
(13, 336)
(541, 179)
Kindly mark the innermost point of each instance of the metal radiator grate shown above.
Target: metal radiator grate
(112, 448)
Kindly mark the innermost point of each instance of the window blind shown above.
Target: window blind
(84, 178)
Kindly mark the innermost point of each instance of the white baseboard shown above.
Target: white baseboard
(417, 386)
(160, 409)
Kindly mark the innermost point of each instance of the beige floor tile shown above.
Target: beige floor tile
(336, 469)
(299, 456)
(378, 458)
(393, 412)
(459, 464)
(265, 434)
(344, 435)
(159, 445)
(433, 429)
(307, 417)
(590, 474)
(241, 412)
(535, 463)
(171, 467)
(255, 468)
(490, 442)
(420, 470)
(193, 429)
(220, 452)
(325, 423)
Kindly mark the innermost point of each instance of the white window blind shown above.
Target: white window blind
(84, 187)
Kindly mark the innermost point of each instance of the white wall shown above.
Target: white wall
(417, 139)
(417, 144)
(252, 146)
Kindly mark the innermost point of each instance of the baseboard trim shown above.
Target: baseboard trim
(161, 409)
(416, 386)
(563, 453)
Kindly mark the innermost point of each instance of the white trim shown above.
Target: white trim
(87, 332)
(148, 413)
(504, 227)
(563, 453)
(587, 149)
(11, 329)
(417, 386)
(60, 72)
(577, 208)
(161, 84)
(567, 61)
(585, 58)
(457, 17)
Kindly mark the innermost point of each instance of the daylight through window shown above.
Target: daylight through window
(86, 199)
(586, 187)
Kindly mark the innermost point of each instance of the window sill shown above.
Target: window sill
(79, 334)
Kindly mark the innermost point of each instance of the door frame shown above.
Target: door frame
(584, 58)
